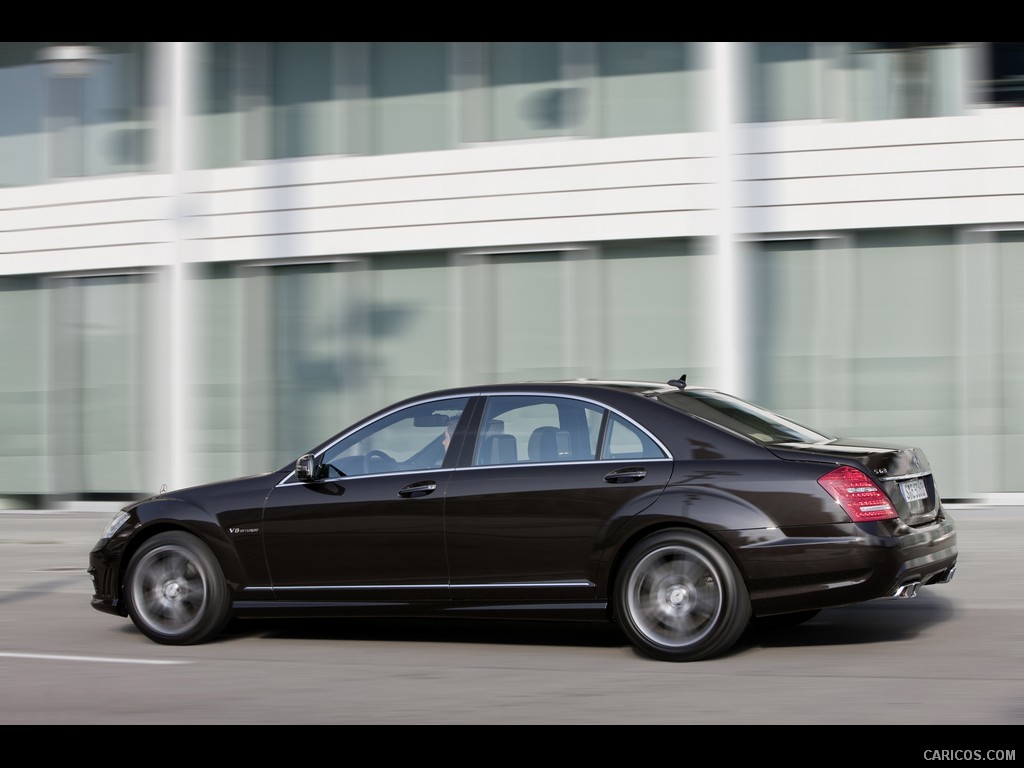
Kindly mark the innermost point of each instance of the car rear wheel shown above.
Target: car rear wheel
(176, 590)
(680, 597)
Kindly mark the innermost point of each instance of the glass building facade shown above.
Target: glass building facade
(215, 255)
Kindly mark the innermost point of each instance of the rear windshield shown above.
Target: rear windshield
(757, 423)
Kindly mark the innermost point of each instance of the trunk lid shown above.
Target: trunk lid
(903, 473)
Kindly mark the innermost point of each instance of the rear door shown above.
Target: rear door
(547, 481)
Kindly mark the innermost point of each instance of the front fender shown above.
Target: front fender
(240, 555)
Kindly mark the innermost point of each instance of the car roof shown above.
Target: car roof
(578, 386)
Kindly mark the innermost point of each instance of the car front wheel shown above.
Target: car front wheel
(176, 591)
(680, 597)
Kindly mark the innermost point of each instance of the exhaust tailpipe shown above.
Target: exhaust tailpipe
(907, 591)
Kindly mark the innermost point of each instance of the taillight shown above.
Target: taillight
(858, 495)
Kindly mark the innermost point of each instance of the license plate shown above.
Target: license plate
(913, 490)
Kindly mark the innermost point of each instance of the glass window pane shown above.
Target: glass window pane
(24, 467)
(73, 109)
(105, 417)
(234, 123)
(894, 80)
(659, 285)
(1011, 358)
(22, 118)
(651, 87)
(412, 439)
(626, 442)
(784, 82)
(219, 122)
(528, 311)
(528, 97)
(537, 429)
(67, 131)
(411, 316)
(305, 115)
(216, 325)
(788, 328)
(118, 132)
(412, 103)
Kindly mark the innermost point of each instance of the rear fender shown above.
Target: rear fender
(709, 510)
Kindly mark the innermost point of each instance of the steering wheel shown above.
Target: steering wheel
(382, 457)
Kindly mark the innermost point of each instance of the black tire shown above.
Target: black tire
(680, 597)
(176, 590)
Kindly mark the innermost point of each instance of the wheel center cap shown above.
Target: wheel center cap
(172, 590)
(678, 596)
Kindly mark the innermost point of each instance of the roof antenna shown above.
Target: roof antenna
(680, 382)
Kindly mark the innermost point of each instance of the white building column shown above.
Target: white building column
(728, 324)
(182, 58)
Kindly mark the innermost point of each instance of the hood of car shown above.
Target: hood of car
(241, 495)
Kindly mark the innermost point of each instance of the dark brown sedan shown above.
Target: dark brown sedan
(678, 512)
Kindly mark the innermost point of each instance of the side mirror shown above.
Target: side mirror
(307, 468)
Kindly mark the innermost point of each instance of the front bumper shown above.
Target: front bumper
(104, 570)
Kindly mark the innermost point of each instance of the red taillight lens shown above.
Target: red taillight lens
(858, 495)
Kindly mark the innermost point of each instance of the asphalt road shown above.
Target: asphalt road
(951, 656)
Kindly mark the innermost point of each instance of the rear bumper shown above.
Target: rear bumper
(826, 566)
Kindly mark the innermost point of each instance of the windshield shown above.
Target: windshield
(748, 419)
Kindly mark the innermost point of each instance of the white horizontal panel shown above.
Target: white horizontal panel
(488, 210)
(131, 234)
(129, 258)
(461, 186)
(556, 154)
(93, 189)
(470, 235)
(990, 125)
(889, 186)
(881, 160)
(882, 214)
(98, 212)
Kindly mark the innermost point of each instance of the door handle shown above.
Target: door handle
(421, 488)
(627, 475)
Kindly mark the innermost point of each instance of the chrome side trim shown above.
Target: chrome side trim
(520, 584)
(443, 585)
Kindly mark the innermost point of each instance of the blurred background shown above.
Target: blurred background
(215, 255)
